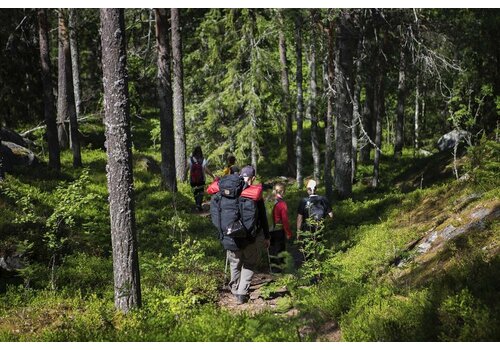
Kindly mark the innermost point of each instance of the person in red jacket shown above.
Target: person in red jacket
(281, 228)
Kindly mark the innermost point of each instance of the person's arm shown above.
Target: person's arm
(261, 207)
(207, 170)
(328, 208)
(283, 215)
(299, 223)
(300, 217)
(188, 165)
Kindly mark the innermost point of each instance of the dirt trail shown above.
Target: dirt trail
(256, 303)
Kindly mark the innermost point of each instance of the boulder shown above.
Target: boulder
(16, 155)
(149, 164)
(424, 153)
(14, 137)
(449, 140)
(11, 262)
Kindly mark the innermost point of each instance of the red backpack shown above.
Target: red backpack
(197, 178)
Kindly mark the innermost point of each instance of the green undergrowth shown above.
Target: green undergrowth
(59, 223)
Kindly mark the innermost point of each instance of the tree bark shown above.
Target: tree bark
(344, 88)
(329, 115)
(379, 115)
(416, 126)
(2, 168)
(400, 109)
(356, 110)
(164, 87)
(254, 145)
(48, 96)
(178, 90)
(127, 288)
(368, 118)
(286, 105)
(75, 61)
(66, 98)
(313, 92)
(300, 98)
(62, 103)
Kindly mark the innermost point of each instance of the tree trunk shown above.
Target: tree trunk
(48, 95)
(379, 111)
(300, 99)
(166, 104)
(356, 111)
(329, 114)
(254, 145)
(367, 122)
(311, 108)
(178, 90)
(66, 98)
(290, 154)
(344, 87)
(75, 62)
(2, 169)
(127, 288)
(400, 109)
(416, 130)
(62, 103)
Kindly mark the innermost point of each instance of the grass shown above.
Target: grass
(66, 288)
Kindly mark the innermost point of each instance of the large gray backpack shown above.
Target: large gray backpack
(233, 215)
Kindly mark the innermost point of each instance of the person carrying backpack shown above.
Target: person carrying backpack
(313, 207)
(231, 168)
(281, 228)
(238, 212)
(197, 166)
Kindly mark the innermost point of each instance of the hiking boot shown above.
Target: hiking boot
(241, 299)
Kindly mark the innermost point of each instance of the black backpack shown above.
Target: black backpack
(315, 208)
(233, 216)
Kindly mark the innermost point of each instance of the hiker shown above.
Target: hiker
(197, 166)
(230, 168)
(313, 206)
(281, 231)
(237, 210)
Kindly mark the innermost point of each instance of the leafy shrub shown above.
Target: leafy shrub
(187, 271)
(85, 272)
(331, 298)
(383, 315)
(215, 325)
(464, 318)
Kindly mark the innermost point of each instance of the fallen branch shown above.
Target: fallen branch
(27, 132)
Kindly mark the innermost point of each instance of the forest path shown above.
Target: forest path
(261, 301)
(257, 302)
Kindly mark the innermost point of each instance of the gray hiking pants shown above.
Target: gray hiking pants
(243, 263)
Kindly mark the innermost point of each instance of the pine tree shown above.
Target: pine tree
(75, 59)
(285, 101)
(119, 169)
(312, 111)
(166, 103)
(66, 97)
(300, 99)
(400, 109)
(48, 96)
(344, 87)
(178, 96)
(330, 77)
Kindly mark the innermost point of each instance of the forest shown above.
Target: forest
(393, 113)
